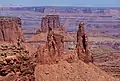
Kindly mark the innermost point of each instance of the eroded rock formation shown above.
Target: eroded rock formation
(51, 52)
(82, 47)
(55, 46)
(55, 42)
(10, 29)
(56, 64)
(52, 21)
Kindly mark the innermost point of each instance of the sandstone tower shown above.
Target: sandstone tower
(82, 46)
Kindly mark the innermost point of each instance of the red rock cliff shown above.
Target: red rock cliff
(52, 21)
(10, 29)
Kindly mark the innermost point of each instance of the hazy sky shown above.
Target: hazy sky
(88, 3)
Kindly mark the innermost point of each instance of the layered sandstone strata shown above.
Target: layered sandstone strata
(52, 21)
(10, 29)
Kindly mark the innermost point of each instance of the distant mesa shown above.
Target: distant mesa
(10, 29)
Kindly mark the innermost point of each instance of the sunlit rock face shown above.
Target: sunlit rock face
(10, 29)
(52, 21)
(82, 46)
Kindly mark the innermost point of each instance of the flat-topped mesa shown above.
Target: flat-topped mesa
(82, 46)
(10, 29)
(52, 21)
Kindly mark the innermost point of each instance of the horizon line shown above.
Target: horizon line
(19, 5)
(65, 6)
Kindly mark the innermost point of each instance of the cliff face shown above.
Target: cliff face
(50, 21)
(10, 29)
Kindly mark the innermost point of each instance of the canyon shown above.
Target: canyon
(58, 46)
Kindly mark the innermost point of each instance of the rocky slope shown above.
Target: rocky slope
(77, 71)
(15, 63)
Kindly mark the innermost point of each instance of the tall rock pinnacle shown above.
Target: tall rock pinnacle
(82, 46)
